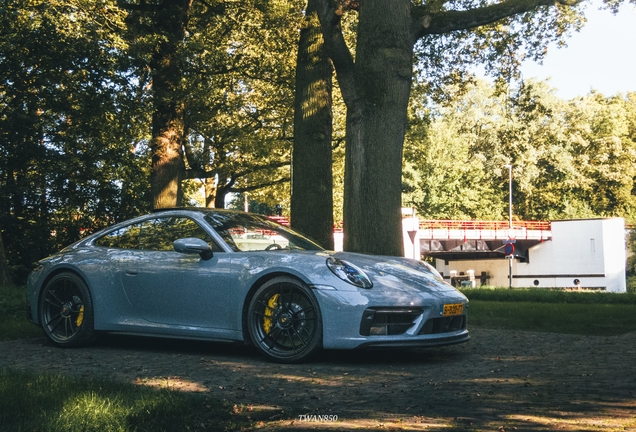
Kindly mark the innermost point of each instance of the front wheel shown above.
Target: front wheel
(284, 321)
(66, 311)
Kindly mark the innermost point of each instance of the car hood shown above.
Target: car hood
(395, 273)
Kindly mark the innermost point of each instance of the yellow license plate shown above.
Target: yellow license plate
(452, 309)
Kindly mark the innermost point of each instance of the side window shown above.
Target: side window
(159, 234)
(155, 234)
(123, 238)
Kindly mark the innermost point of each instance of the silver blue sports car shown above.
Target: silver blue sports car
(232, 276)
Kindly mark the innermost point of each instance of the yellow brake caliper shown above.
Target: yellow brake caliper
(269, 313)
(80, 316)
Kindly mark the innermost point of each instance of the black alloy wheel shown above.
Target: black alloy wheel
(284, 321)
(66, 311)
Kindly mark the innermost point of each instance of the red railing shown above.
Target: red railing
(484, 225)
(461, 224)
(279, 219)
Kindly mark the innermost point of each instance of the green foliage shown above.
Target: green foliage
(55, 403)
(239, 116)
(631, 261)
(544, 295)
(71, 141)
(443, 177)
(499, 47)
(76, 102)
(600, 319)
(12, 303)
(631, 284)
(263, 207)
(556, 311)
(13, 321)
(75, 119)
(570, 158)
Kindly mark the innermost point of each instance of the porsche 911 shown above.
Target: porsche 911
(222, 275)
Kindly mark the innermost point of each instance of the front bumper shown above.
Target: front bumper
(419, 343)
(358, 319)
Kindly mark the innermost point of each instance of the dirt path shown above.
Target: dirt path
(500, 380)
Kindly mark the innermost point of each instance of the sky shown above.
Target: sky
(602, 56)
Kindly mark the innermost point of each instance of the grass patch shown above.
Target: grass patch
(555, 311)
(587, 319)
(552, 310)
(54, 403)
(13, 321)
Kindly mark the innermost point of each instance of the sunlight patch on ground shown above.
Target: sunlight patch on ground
(507, 380)
(172, 383)
(335, 379)
(415, 423)
(575, 422)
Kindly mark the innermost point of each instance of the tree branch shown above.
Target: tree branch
(426, 22)
(142, 6)
(190, 157)
(201, 173)
(329, 14)
(256, 168)
(198, 173)
(259, 186)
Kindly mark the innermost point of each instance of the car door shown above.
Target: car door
(174, 289)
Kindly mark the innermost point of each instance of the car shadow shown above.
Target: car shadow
(242, 352)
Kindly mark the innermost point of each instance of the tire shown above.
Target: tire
(284, 321)
(66, 311)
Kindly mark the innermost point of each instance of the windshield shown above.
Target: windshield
(248, 232)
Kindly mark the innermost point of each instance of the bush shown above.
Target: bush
(13, 321)
(631, 284)
(545, 295)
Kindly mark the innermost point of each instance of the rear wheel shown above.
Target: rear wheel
(66, 311)
(284, 321)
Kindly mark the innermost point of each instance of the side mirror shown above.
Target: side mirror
(191, 245)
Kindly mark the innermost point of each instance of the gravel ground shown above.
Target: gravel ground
(499, 381)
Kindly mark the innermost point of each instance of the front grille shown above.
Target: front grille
(388, 321)
(444, 325)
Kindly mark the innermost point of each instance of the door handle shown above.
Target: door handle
(131, 273)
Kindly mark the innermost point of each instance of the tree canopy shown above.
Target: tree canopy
(78, 95)
(71, 126)
(571, 159)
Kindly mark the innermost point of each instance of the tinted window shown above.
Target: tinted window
(123, 238)
(156, 234)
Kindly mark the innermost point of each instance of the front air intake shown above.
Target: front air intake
(388, 321)
(444, 325)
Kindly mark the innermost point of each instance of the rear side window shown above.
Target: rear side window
(123, 238)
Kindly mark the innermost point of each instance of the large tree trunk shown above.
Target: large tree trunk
(376, 123)
(375, 87)
(219, 197)
(168, 116)
(312, 181)
(210, 192)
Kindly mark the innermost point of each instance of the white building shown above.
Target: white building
(584, 253)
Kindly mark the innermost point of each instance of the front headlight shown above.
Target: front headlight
(349, 273)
